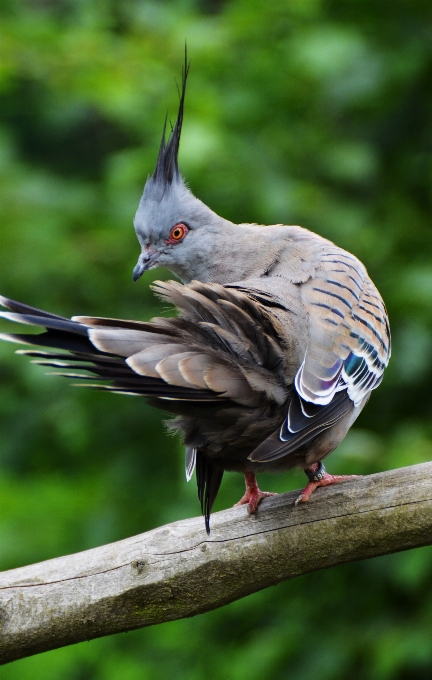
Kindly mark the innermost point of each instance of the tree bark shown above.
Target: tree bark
(177, 571)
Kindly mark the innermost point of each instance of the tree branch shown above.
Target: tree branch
(177, 571)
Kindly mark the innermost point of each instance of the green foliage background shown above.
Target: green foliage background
(311, 112)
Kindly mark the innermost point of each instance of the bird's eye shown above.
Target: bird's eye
(177, 233)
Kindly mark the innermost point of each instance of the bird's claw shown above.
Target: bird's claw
(253, 494)
(327, 480)
(253, 499)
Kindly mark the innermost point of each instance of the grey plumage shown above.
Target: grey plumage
(280, 338)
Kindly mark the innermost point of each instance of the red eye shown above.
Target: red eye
(177, 233)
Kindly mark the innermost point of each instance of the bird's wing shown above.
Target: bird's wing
(344, 351)
(218, 349)
(304, 422)
(348, 337)
(349, 334)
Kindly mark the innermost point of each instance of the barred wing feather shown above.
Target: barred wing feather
(349, 344)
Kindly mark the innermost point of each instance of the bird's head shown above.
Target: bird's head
(169, 216)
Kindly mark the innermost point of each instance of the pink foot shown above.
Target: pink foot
(319, 477)
(253, 495)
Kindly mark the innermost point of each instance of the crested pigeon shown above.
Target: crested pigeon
(280, 338)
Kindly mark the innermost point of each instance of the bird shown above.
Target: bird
(279, 339)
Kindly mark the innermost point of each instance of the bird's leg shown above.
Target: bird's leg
(318, 476)
(253, 494)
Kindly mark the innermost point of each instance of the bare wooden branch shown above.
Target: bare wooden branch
(177, 571)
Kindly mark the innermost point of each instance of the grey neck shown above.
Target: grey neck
(232, 252)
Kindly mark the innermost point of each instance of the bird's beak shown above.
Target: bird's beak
(145, 261)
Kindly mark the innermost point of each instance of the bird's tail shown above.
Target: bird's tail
(209, 480)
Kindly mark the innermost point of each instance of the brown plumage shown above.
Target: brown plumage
(227, 365)
(281, 337)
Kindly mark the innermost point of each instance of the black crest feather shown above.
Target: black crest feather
(166, 170)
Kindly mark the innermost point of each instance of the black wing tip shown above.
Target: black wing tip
(6, 302)
(283, 442)
(21, 308)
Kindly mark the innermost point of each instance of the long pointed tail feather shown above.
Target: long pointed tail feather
(208, 481)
